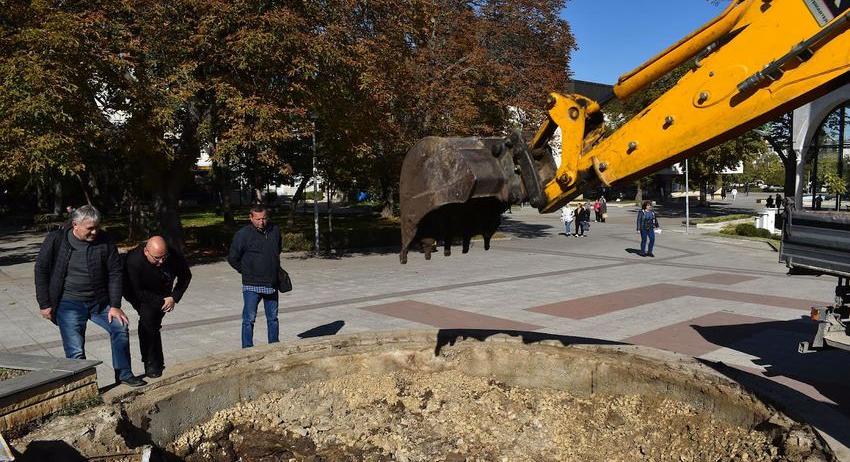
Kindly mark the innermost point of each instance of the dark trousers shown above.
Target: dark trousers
(150, 340)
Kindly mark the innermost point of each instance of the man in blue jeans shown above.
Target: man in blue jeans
(77, 279)
(255, 254)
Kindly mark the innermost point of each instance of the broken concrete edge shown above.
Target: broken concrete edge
(5, 451)
(43, 370)
(186, 384)
(439, 337)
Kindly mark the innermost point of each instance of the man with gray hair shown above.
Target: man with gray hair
(77, 279)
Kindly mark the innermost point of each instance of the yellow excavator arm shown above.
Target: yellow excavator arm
(756, 60)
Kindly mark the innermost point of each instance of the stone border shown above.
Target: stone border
(51, 384)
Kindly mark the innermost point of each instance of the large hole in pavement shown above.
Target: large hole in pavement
(445, 396)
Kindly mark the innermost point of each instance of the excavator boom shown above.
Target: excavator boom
(756, 60)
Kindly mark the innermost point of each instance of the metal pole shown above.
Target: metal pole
(315, 194)
(840, 156)
(687, 200)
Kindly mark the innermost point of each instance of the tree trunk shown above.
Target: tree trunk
(57, 195)
(40, 196)
(299, 194)
(84, 188)
(169, 219)
(224, 192)
(388, 201)
(639, 192)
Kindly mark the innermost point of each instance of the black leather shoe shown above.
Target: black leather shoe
(133, 382)
(152, 374)
(650, 255)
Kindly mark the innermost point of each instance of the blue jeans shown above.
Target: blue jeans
(569, 226)
(249, 315)
(72, 317)
(644, 235)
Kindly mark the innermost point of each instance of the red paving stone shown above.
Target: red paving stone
(596, 305)
(446, 318)
(726, 279)
(684, 338)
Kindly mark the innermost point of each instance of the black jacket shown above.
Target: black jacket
(256, 255)
(51, 267)
(146, 284)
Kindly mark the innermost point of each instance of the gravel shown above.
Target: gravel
(446, 416)
(10, 373)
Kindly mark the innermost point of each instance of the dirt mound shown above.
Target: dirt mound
(447, 416)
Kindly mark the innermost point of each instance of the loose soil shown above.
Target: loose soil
(10, 373)
(446, 416)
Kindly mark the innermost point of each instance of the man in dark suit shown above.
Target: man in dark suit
(157, 277)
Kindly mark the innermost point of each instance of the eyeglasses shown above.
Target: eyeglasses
(159, 259)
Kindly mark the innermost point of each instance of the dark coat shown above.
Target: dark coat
(146, 283)
(256, 255)
(51, 267)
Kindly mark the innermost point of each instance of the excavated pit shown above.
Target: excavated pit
(446, 396)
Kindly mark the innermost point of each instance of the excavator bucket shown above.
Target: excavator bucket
(456, 188)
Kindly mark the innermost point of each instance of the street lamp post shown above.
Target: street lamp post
(315, 193)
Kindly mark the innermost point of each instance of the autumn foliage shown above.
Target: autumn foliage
(124, 96)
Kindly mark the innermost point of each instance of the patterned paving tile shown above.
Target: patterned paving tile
(684, 337)
(595, 305)
(726, 279)
(446, 318)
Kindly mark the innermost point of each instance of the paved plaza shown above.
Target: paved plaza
(726, 302)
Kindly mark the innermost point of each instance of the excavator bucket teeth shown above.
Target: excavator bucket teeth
(455, 188)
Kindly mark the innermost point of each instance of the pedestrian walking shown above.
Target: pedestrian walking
(155, 278)
(647, 222)
(567, 217)
(747, 189)
(778, 201)
(603, 207)
(78, 278)
(255, 254)
(583, 218)
(734, 194)
(597, 210)
(723, 193)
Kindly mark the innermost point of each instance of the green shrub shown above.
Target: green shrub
(293, 242)
(746, 229)
(310, 195)
(749, 230)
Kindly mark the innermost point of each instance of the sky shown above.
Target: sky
(615, 36)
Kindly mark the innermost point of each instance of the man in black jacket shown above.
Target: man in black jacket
(77, 279)
(255, 254)
(156, 278)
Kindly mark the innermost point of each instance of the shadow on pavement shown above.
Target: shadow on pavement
(522, 229)
(450, 336)
(774, 344)
(323, 330)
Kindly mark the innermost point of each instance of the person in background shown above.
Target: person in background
(646, 224)
(78, 278)
(156, 277)
(567, 217)
(255, 254)
(603, 208)
(734, 194)
(583, 217)
(597, 210)
(768, 203)
(779, 203)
